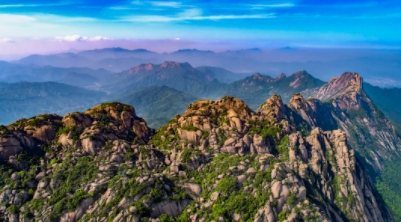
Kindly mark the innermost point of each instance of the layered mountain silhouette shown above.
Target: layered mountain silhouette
(378, 66)
(26, 99)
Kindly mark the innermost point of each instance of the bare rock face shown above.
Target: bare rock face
(13, 142)
(346, 106)
(345, 84)
(42, 128)
(171, 208)
(273, 108)
(78, 121)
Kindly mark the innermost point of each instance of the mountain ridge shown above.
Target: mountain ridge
(257, 159)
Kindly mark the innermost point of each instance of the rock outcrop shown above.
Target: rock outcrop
(352, 110)
(348, 83)
(218, 161)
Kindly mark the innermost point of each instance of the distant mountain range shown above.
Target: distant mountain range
(83, 77)
(380, 67)
(201, 82)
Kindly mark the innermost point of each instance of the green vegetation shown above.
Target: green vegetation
(387, 100)
(388, 186)
(265, 129)
(283, 148)
(190, 128)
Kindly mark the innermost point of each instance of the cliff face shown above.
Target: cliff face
(218, 161)
(348, 83)
(347, 106)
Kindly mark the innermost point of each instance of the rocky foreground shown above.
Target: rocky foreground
(218, 161)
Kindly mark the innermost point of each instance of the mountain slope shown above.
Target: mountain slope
(158, 104)
(102, 165)
(83, 77)
(22, 100)
(257, 86)
(223, 75)
(373, 133)
(106, 58)
(388, 100)
(180, 76)
(377, 143)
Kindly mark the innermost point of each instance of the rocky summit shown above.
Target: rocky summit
(218, 161)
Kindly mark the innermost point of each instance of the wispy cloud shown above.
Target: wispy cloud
(79, 38)
(193, 12)
(34, 5)
(279, 5)
(166, 4)
(6, 40)
(157, 18)
(12, 18)
(48, 18)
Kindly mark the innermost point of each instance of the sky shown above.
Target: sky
(47, 26)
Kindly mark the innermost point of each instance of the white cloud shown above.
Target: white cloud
(33, 5)
(78, 38)
(99, 38)
(157, 18)
(279, 5)
(166, 4)
(193, 12)
(72, 38)
(7, 40)
(11, 18)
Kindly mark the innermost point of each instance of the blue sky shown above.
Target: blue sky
(341, 23)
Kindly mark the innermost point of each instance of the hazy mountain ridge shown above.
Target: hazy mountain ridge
(250, 88)
(181, 76)
(26, 99)
(223, 75)
(384, 64)
(13, 73)
(388, 100)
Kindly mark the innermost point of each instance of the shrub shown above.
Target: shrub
(227, 184)
(53, 161)
(12, 209)
(190, 128)
(291, 199)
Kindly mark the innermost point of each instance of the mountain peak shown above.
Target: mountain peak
(273, 107)
(301, 73)
(170, 64)
(297, 101)
(142, 67)
(258, 76)
(338, 86)
(164, 65)
(281, 76)
(299, 78)
(193, 51)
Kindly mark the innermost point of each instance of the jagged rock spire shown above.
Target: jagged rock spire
(347, 82)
